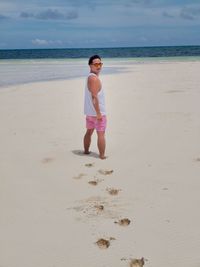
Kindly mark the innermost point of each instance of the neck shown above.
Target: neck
(96, 73)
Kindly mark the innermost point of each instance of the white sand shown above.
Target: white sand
(47, 209)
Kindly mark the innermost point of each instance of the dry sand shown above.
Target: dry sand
(51, 216)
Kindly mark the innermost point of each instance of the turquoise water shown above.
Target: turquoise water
(25, 66)
(13, 72)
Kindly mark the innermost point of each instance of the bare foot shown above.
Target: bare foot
(86, 152)
(102, 157)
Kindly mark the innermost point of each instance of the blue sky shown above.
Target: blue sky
(98, 23)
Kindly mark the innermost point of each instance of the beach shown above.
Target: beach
(56, 203)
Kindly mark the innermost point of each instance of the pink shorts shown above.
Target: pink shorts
(93, 123)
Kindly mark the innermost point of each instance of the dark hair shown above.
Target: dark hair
(92, 58)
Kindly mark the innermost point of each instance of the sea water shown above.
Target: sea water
(33, 65)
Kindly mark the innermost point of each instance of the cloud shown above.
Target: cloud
(94, 4)
(3, 17)
(186, 13)
(42, 42)
(26, 15)
(51, 14)
(142, 2)
(190, 13)
(39, 42)
(167, 15)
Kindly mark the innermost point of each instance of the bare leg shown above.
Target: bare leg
(101, 143)
(87, 140)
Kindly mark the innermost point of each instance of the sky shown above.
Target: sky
(98, 23)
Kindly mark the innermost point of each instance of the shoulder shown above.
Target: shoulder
(94, 84)
(93, 78)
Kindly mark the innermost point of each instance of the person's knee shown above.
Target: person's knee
(89, 132)
(101, 134)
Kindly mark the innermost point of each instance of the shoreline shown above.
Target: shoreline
(69, 69)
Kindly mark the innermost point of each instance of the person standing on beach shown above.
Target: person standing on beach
(94, 107)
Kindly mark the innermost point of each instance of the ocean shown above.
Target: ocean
(119, 52)
(33, 65)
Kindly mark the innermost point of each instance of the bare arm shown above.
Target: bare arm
(94, 86)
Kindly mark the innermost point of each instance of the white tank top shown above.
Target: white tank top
(89, 109)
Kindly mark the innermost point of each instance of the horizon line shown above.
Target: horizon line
(109, 47)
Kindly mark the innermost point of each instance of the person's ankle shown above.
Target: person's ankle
(102, 156)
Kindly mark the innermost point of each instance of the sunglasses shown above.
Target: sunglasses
(98, 64)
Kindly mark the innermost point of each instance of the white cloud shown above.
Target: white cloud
(39, 42)
(43, 42)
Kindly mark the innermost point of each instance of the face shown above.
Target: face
(96, 65)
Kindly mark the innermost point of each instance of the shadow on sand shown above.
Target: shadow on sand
(80, 153)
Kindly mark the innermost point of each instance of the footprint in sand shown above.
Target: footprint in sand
(79, 176)
(197, 159)
(105, 172)
(113, 191)
(104, 243)
(47, 160)
(89, 209)
(124, 222)
(99, 208)
(137, 262)
(95, 182)
(89, 165)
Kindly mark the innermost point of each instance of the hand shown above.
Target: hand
(99, 116)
